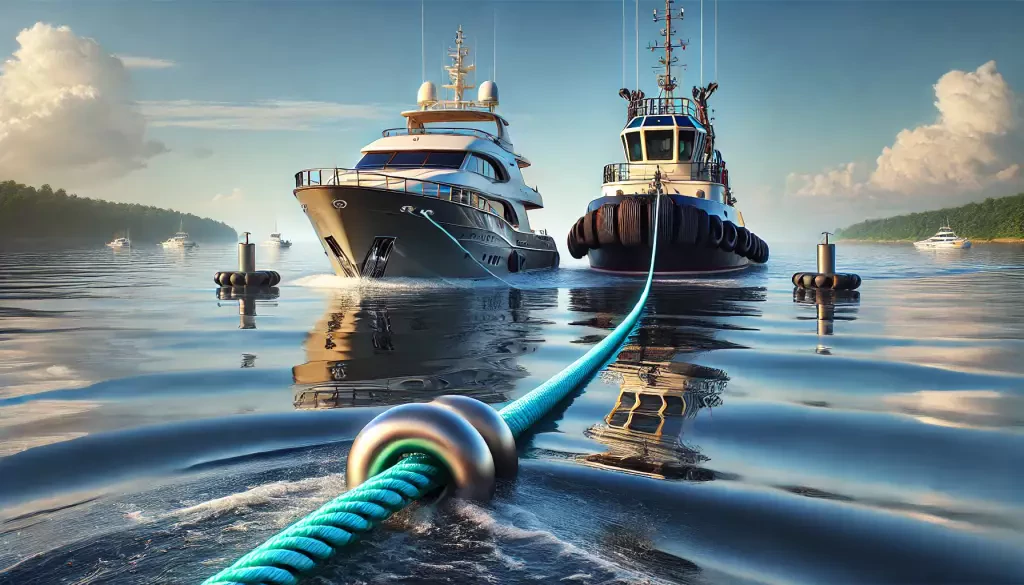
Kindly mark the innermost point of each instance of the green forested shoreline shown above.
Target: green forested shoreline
(991, 219)
(27, 212)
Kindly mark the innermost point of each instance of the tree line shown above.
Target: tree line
(27, 212)
(990, 219)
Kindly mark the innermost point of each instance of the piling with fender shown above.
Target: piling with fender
(247, 276)
(826, 277)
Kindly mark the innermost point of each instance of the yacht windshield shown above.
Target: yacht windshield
(412, 159)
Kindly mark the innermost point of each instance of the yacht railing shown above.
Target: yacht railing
(699, 171)
(376, 180)
(660, 106)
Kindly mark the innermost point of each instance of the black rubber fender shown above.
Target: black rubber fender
(688, 229)
(237, 279)
(577, 231)
(703, 225)
(807, 279)
(823, 281)
(606, 228)
(666, 221)
(255, 279)
(629, 222)
(729, 235)
(743, 242)
(716, 231)
(797, 277)
(575, 250)
(590, 230)
(275, 278)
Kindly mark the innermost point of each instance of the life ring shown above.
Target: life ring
(716, 231)
(606, 234)
(729, 235)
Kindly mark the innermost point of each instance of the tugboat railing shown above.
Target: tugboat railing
(375, 180)
(699, 171)
(659, 106)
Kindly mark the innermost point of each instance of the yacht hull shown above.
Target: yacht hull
(379, 233)
(673, 258)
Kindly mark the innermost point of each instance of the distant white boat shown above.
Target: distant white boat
(276, 241)
(124, 242)
(944, 238)
(179, 240)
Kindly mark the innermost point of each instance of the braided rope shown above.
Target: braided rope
(300, 547)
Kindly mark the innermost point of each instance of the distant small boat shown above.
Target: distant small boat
(180, 239)
(945, 238)
(124, 242)
(276, 241)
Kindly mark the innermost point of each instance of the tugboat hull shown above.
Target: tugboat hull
(696, 236)
(374, 233)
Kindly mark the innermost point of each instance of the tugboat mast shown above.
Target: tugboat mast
(666, 82)
(458, 69)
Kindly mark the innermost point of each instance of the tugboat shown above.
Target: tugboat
(672, 139)
(437, 198)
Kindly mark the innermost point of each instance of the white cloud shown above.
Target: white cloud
(135, 62)
(965, 149)
(235, 196)
(66, 112)
(258, 115)
(837, 181)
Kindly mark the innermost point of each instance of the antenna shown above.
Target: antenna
(716, 40)
(458, 69)
(494, 50)
(423, 42)
(666, 82)
(702, 43)
(623, 43)
(637, 21)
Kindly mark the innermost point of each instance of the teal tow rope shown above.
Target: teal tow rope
(300, 547)
(463, 248)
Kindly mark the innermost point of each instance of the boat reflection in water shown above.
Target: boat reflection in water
(643, 431)
(831, 306)
(247, 299)
(658, 390)
(457, 341)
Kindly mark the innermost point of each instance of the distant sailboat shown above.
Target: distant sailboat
(124, 242)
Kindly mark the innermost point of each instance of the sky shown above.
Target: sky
(828, 112)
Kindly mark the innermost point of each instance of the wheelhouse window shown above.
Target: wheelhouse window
(658, 121)
(659, 144)
(636, 122)
(634, 149)
(374, 160)
(412, 159)
(686, 144)
(485, 167)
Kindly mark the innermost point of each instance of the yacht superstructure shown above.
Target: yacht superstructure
(122, 242)
(454, 162)
(180, 240)
(669, 144)
(945, 238)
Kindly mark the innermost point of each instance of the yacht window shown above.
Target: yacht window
(510, 216)
(408, 159)
(485, 167)
(374, 160)
(686, 144)
(634, 150)
(636, 122)
(445, 159)
(658, 121)
(659, 144)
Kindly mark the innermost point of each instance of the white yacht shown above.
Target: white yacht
(442, 197)
(276, 241)
(179, 240)
(944, 238)
(124, 242)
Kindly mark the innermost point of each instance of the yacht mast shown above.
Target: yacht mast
(666, 82)
(458, 69)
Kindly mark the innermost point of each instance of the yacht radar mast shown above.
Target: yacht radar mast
(458, 69)
(666, 82)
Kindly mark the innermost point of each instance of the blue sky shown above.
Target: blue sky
(805, 86)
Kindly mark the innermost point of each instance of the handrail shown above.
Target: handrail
(659, 106)
(442, 130)
(699, 171)
(420, 187)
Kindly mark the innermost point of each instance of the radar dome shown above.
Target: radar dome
(488, 93)
(427, 94)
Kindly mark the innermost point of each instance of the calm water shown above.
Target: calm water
(151, 432)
